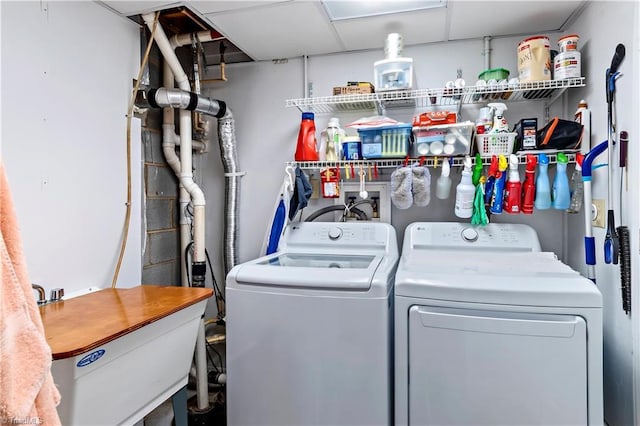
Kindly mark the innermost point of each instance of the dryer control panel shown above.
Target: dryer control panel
(464, 236)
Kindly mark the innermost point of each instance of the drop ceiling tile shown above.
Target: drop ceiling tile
(473, 19)
(280, 30)
(208, 6)
(370, 33)
(130, 8)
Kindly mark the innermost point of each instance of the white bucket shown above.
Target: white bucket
(568, 43)
(534, 59)
(567, 65)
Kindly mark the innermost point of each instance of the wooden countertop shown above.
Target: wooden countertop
(80, 324)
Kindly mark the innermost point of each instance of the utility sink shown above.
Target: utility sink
(119, 353)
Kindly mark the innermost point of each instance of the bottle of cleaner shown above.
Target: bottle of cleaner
(583, 116)
(500, 124)
(513, 188)
(307, 150)
(443, 184)
(491, 179)
(465, 192)
(576, 186)
(543, 189)
(561, 198)
(529, 185)
(498, 187)
(331, 141)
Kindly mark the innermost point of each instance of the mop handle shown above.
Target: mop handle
(589, 241)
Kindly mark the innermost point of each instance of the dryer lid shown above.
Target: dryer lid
(527, 279)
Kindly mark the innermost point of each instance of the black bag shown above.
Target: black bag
(560, 134)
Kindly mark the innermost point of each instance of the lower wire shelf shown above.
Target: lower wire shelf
(427, 161)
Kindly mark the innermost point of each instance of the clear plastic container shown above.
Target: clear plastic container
(393, 74)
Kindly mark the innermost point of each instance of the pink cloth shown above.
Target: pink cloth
(27, 392)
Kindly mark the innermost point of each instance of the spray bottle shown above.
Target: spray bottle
(561, 196)
(443, 185)
(498, 187)
(477, 170)
(583, 116)
(576, 186)
(500, 124)
(529, 185)
(513, 188)
(465, 192)
(543, 189)
(491, 179)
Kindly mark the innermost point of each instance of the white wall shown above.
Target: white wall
(266, 133)
(67, 70)
(601, 27)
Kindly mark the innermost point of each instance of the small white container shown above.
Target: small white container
(393, 74)
(567, 65)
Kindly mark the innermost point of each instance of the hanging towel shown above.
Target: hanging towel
(27, 392)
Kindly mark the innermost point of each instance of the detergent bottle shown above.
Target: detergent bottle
(577, 186)
(529, 185)
(500, 124)
(498, 186)
(331, 141)
(513, 188)
(465, 191)
(561, 199)
(543, 189)
(583, 116)
(443, 184)
(307, 150)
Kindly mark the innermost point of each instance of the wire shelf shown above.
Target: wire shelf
(424, 98)
(427, 161)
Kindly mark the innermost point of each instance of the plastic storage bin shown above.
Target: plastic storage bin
(495, 143)
(385, 141)
(442, 139)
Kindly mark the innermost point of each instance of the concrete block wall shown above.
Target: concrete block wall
(161, 256)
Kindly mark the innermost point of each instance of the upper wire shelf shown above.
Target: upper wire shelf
(423, 98)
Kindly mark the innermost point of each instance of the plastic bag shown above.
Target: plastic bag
(560, 134)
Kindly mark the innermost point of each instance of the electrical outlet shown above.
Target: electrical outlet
(597, 213)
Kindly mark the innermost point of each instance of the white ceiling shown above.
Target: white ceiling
(269, 29)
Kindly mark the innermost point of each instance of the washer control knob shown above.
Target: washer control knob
(335, 233)
(469, 234)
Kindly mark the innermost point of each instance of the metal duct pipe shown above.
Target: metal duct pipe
(232, 174)
(487, 52)
(183, 99)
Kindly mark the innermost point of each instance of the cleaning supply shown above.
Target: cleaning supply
(331, 141)
(583, 116)
(513, 188)
(498, 187)
(421, 185)
(576, 187)
(307, 150)
(465, 192)
(443, 184)
(477, 170)
(491, 178)
(561, 199)
(401, 181)
(500, 124)
(529, 185)
(479, 211)
(543, 189)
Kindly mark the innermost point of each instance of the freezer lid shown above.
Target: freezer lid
(310, 270)
(526, 279)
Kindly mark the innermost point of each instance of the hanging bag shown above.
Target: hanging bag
(560, 134)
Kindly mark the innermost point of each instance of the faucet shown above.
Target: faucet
(42, 299)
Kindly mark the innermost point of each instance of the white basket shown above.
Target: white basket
(496, 143)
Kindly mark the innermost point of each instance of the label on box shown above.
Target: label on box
(370, 150)
(529, 138)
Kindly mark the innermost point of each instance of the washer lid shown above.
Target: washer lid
(528, 279)
(311, 270)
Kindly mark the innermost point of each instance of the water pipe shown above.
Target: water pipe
(487, 52)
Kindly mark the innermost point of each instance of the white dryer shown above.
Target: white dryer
(309, 329)
(491, 331)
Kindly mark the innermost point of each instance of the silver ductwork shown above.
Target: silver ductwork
(182, 99)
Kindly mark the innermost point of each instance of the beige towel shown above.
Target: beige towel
(27, 392)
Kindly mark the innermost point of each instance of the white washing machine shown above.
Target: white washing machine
(309, 329)
(489, 330)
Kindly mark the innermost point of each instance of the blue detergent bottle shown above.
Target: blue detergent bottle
(543, 188)
(561, 197)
